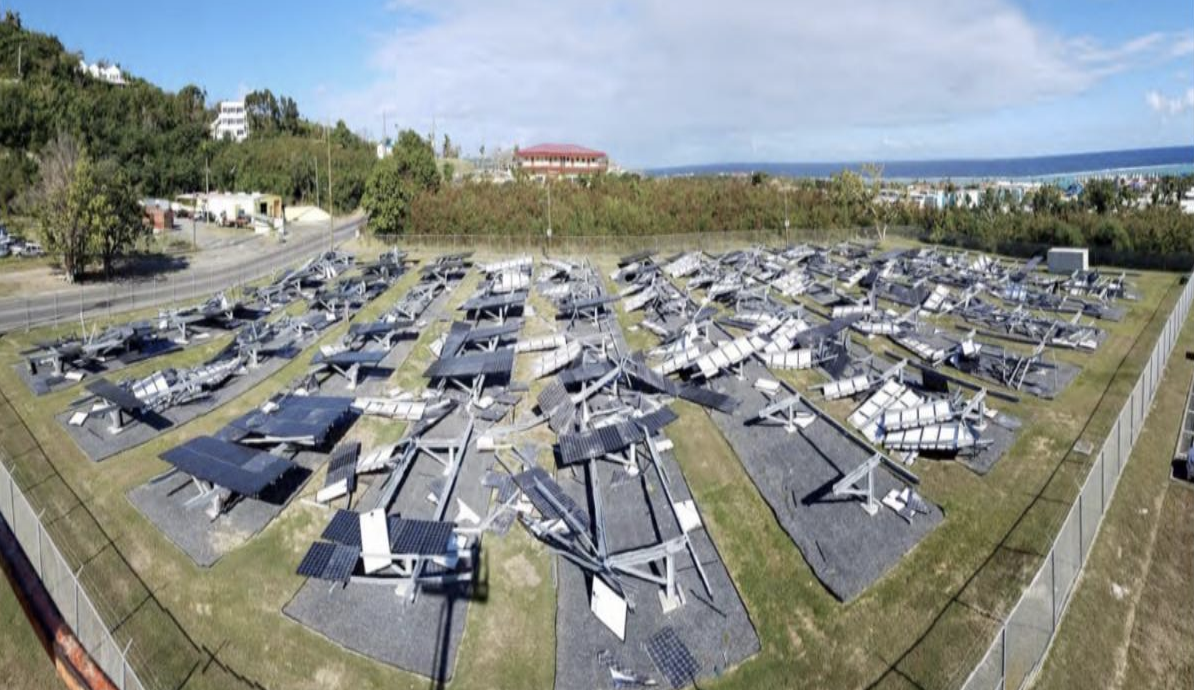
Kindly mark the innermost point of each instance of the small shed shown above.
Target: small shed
(1068, 260)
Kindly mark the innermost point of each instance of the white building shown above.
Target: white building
(231, 122)
(109, 73)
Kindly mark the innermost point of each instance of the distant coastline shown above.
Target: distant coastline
(1175, 160)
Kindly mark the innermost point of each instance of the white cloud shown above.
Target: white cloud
(662, 82)
(1170, 105)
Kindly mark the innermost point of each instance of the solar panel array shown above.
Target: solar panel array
(672, 657)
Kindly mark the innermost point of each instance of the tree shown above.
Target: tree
(1101, 195)
(261, 109)
(396, 180)
(111, 217)
(1046, 200)
(59, 206)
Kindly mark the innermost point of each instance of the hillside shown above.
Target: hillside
(159, 138)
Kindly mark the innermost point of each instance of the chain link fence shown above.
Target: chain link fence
(63, 585)
(1024, 639)
(86, 302)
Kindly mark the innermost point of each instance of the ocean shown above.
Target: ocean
(1178, 160)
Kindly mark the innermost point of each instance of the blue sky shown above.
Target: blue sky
(658, 82)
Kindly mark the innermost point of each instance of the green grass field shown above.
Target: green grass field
(926, 624)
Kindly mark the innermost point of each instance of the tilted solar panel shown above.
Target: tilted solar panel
(420, 537)
(545, 494)
(493, 363)
(236, 468)
(344, 528)
(332, 562)
(350, 357)
(114, 394)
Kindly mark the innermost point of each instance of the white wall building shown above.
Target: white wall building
(109, 73)
(232, 122)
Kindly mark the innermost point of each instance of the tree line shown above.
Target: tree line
(161, 140)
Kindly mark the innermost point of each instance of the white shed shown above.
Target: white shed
(1068, 260)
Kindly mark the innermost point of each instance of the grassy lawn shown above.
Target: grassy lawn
(1131, 620)
(927, 623)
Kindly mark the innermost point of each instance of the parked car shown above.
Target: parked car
(31, 249)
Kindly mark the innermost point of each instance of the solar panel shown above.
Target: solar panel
(454, 341)
(545, 494)
(485, 333)
(585, 373)
(332, 562)
(316, 559)
(593, 444)
(342, 563)
(552, 397)
(490, 302)
(350, 357)
(236, 468)
(297, 417)
(477, 364)
(115, 395)
(343, 465)
(420, 537)
(671, 656)
(344, 528)
(504, 484)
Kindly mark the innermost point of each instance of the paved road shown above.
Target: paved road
(89, 301)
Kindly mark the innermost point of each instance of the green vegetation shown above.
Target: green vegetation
(397, 179)
(160, 140)
(1103, 217)
(85, 210)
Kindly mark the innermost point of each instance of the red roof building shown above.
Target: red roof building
(567, 160)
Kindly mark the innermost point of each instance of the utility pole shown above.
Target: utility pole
(331, 195)
(786, 224)
(547, 181)
(316, 159)
(19, 65)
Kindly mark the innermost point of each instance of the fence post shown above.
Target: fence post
(40, 568)
(1053, 579)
